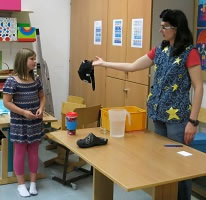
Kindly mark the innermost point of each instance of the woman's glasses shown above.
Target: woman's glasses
(162, 27)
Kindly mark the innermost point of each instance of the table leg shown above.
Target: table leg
(9, 151)
(167, 191)
(102, 186)
(4, 158)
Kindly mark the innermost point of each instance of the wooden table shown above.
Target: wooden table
(137, 161)
(7, 153)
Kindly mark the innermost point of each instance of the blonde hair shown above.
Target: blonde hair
(20, 63)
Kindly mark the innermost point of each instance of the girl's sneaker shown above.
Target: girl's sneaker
(33, 190)
(23, 190)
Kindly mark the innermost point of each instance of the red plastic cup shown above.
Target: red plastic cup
(71, 122)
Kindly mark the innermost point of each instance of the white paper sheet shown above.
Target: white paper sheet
(184, 153)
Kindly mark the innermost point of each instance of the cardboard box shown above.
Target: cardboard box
(11, 5)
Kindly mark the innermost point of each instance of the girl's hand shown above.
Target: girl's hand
(28, 114)
(99, 61)
(39, 113)
(190, 131)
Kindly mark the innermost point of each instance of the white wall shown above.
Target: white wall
(52, 17)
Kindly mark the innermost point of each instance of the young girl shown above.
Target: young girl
(24, 97)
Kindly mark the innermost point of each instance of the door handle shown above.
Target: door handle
(125, 89)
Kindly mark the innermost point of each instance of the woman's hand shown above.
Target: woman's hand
(99, 61)
(190, 131)
(39, 113)
(28, 114)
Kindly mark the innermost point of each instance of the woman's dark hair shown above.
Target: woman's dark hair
(183, 34)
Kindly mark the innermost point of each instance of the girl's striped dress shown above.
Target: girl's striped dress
(25, 96)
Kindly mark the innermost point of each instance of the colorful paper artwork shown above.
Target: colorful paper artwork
(201, 46)
(201, 32)
(8, 29)
(201, 21)
(26, 34)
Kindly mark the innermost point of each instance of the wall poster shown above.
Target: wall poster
(117, 32)
(201, 32)
(137, 33)
(201, 46)
(97, 32)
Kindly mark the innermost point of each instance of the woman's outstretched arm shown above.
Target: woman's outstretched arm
(139, 64)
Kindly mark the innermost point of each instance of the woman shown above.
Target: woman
(177, 66)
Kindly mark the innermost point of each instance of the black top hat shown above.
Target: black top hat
(86, 72)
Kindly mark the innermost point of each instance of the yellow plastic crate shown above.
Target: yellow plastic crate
(138, 118)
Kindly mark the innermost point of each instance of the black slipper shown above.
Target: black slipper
(91, 140)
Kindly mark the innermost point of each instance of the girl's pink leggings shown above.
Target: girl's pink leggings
(20, 150)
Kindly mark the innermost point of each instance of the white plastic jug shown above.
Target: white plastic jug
(117, 119)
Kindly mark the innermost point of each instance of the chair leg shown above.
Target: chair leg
(59, 159)
(86, 174)
(65, 166)
(71, 181)
(63, 180)
(76, 165)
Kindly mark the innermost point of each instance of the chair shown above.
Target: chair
(199, 140)
(57, 125)
(72, 99)
(87, 117)
(76, 99)
(66, 107)
(202, 115)
(197, 187)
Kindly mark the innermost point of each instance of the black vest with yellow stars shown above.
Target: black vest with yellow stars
(168, 100)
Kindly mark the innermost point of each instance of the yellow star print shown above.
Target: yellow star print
(166, 88)
(175, 86)
(150, 94)
(165, 50)
(177, 60)
(180, 76)
(190, 107)
(155, 68)
(155, 106)
(172, 113)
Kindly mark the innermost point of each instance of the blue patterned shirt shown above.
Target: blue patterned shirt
(25, 96)
(168, 100)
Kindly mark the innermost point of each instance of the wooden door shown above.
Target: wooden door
(78, 44)
(117, 9)
(97, 11)
(115, 94)
(83, 15)
(136, 94)
(139, 9)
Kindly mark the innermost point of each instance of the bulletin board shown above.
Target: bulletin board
(200, 36)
